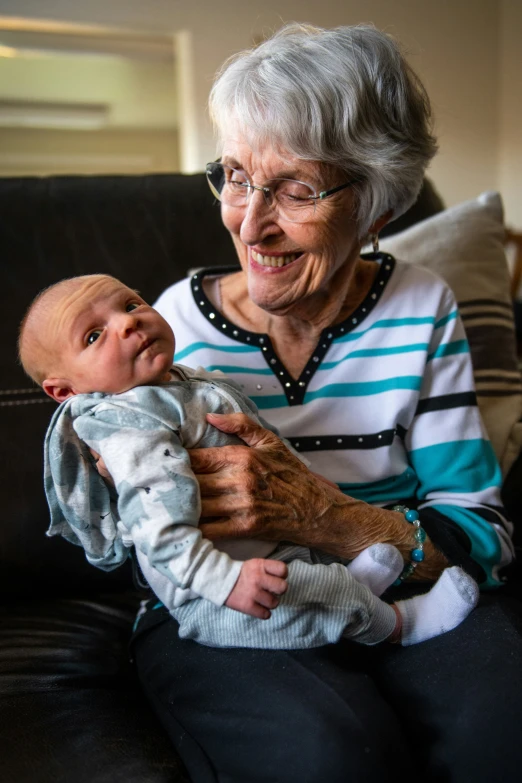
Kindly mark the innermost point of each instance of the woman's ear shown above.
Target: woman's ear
(379, 224)
(58, 388)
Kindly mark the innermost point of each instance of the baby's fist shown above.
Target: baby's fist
(259, 587)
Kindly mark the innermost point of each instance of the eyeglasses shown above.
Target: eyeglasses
(289, 198)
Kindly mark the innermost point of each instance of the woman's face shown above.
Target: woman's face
(317, 255)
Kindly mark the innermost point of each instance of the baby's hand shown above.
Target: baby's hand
(260, 584)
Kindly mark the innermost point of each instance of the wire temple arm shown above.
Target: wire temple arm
(325, 193)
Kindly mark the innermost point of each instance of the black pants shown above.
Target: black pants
(446, 710)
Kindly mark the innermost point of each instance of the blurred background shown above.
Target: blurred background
(120, 86)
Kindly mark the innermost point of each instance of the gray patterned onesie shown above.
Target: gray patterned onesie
(143, 436)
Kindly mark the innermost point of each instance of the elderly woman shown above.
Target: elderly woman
(364, 366)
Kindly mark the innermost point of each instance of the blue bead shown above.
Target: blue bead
(411, 515)
(417, 555)
(397, 583)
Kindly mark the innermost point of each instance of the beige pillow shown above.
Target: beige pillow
(465, 246)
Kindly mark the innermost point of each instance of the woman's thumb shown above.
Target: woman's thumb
(252, 433)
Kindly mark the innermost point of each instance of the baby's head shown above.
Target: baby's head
(93, 334)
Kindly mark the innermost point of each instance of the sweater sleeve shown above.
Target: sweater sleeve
(459, 477)
(158, 499)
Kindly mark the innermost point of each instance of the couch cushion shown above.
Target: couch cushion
(464, 245)
(70, 708)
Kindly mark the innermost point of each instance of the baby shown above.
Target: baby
(97, 348)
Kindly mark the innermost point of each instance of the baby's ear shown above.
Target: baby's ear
(58, 388)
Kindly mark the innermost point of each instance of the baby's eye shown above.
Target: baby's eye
(131, 306)
(93, 336)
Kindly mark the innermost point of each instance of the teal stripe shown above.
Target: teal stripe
(387, 323)
(485, 546)
(449, 349)
(457, 466)
(369, 352)
(232, 368)
(365, 389)
(447, 318)
(273, 401)
(225, 349)
(387, 490)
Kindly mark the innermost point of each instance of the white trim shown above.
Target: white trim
(187, 112)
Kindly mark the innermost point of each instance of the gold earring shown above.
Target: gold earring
(374, 239)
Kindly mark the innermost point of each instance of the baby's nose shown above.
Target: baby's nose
(128, 324)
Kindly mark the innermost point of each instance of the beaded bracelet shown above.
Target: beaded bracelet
(417, 554)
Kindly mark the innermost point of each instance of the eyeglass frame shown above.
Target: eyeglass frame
(266, 190)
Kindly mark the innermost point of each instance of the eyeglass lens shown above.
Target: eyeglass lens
(289, 197)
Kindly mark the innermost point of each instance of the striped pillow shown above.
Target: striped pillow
(465, 246)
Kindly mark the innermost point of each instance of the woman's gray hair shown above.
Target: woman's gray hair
(344, 97)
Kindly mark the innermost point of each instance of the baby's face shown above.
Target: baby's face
(107, 339)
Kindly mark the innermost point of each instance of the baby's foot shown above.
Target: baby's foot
(446, 605)
(377, 567)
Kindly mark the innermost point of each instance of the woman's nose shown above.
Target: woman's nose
(259, 220)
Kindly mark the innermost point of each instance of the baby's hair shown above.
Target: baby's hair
(33, 355)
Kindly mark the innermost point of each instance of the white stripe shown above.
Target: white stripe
(459, 423)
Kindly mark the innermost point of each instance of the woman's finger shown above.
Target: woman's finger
(215, 458)
(225, 505)
(241, 425)
(215, 484)
(221, 528)
(101, 467)
(235, 481)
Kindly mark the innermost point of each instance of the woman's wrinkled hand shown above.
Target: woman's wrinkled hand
(260, 490)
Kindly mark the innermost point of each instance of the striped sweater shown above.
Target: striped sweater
(385, 407)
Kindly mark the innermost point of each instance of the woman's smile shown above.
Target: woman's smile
(273, 260)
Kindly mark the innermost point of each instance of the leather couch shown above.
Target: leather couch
(70, 703)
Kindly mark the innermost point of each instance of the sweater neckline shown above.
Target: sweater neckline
(294, 390)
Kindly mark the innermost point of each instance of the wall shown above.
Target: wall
(510, 112)
(139, 94)
(453, 44)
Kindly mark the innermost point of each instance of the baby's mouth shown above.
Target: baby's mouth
(145, 345)
(278, 261)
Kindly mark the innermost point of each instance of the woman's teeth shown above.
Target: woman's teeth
(274, 260)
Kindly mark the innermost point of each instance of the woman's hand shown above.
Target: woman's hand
(263, 491)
